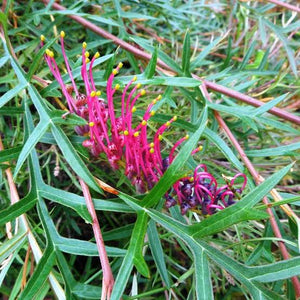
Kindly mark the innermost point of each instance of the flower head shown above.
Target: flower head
(128, 145)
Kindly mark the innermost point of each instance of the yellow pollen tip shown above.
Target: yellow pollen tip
(126, 132)
(144, 122)
(168, 123)
(93, 94)
(143, 92)
(134, 78)
(84, 45)
(154, 101)
(87, 54)
(158, 97)
(151, 150)
(186, 137)
(133, 110)
(51, 54)
(152, 113)
(97, 54)
(200, 148)
(117, 86)
(160, 137)
(42, 38)
(191, 179)
(120, 65)
(62, 34)
(136, 134)
(91, 124)
(138, 85)
(174, 118)
(87, 60)
(151, 145)
(98, 93)
(115, 71)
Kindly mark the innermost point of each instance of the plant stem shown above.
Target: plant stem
(108, 279)
(285, 5)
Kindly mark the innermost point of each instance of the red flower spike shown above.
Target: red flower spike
(116, 137)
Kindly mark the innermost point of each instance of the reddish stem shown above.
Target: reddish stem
(285, 5)
(108, 279)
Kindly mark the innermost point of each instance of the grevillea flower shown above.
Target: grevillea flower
(127, 145)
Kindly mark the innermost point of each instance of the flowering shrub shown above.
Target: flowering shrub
(128, 146)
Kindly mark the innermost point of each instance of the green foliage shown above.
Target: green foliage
(248, 47)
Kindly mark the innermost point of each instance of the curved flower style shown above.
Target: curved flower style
(128, 146)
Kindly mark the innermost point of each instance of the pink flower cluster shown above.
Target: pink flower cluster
(127, 145)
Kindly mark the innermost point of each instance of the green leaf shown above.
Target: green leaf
(11, 93)
(157, 252)
(186, 54)
(133, 256)
(240, 272)
(264, 108)
(13, 211)
(10, 154)
(137, 242)
(286, 44)
(71, 200)
(33, 139)
(163, 56)
(248, 55)
(102, 20)
(40, 274)
(232, 110)
(73, 158)
(151, 67)
(276, 151)
(276, 271)
(204, 290)
(214, 138)
(11, 245)
(205, 51)
(60, 117)
(81, 247)
(278, 125)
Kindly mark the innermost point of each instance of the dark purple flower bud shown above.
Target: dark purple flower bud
(239, 191)
(170, 201)
(192, 200)
(204, 209)
(140, 186)
(184, 207)
(82, 130)
(187, 189)
(165, 164)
